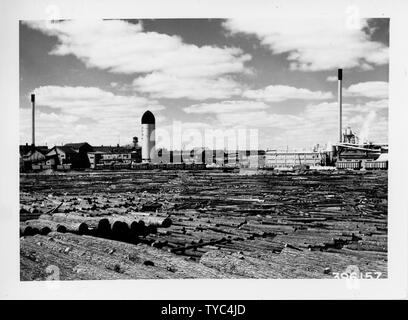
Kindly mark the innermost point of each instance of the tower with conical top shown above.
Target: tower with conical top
(148, 137)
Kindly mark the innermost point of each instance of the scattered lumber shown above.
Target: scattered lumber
(272, 225)
(70, 253)
(54, 209)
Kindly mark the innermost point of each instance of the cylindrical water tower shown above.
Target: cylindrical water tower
(148, 137)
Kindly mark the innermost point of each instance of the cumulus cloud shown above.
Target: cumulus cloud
(315, 45)
(163, 85)
(123, 47)
(331, 79)
(79, 97)
(377, 105)
(226, 107)
(277, 93)
(258, 119)
(163, 66)
(369, 89)
(317, 123)
(90, 113)
(321, 122)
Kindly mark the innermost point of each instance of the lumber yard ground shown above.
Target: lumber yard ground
(202, 224)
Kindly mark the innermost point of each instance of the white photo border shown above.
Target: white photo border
(11, 11)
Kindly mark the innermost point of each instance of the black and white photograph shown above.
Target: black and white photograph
(203, 148)
(232, 147)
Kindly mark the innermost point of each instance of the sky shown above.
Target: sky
(93, 80)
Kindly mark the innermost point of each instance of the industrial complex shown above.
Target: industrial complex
(202, 213)
(347, 153)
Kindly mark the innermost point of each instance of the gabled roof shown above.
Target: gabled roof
(25, 149)
(77, 145)
(32, 153)
(66, 149)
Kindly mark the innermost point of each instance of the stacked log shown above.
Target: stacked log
(46, 226)
(127, 228)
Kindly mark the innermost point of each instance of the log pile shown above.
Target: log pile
(259, 226)
(119, 227)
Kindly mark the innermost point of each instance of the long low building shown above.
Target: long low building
(287, 159)
(349, 151)
(77, 155)
(108, 156)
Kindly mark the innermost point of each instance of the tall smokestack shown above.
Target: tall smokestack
(33, 119)
(339, 97)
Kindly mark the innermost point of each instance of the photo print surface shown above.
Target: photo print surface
(203, 148)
